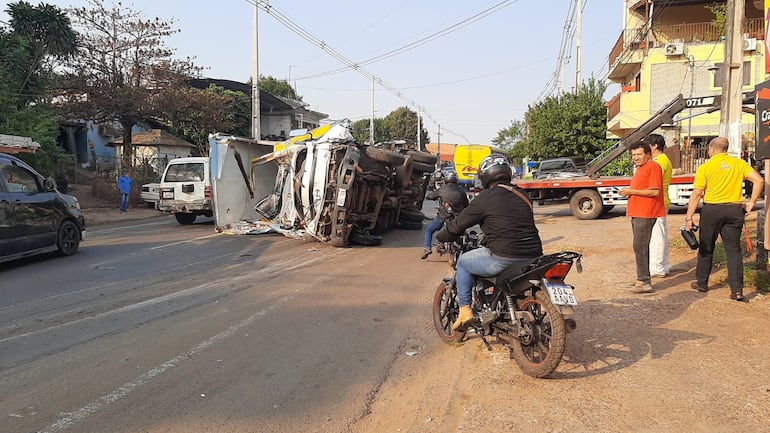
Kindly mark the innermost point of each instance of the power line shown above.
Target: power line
(452, 28)
(297, 29)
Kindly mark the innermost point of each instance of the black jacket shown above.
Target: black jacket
(450, 194)
(505, 219)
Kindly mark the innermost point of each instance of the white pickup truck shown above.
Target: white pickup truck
(185, 189)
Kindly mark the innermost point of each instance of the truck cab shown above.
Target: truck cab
(564, 167)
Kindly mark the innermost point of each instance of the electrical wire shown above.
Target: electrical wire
(451, 29)
(297, 29)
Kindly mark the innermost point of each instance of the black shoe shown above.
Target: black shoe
(737, 296)
(425, 254)
(698, 287)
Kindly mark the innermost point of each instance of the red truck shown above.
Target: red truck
(591, 195)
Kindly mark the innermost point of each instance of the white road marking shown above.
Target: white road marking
(160, 247)
(67, 419)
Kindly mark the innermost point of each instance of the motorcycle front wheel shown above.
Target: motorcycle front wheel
(446, 308)
(539, 347)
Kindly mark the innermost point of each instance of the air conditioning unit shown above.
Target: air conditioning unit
(674, 48)
(749, 44)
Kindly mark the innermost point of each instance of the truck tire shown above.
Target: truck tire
(424, 157)
(386, 156)
(185, 218)
(586, 204)
(421, 167)
(411, 215)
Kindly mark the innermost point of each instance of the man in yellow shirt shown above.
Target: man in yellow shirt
(720, 182)
(660, 264)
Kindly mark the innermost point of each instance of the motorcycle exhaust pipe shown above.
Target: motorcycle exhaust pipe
(571, 324)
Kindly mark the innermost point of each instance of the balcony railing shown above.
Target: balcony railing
(704, 32)
(636, 38)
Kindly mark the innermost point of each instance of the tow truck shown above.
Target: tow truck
(591, 195)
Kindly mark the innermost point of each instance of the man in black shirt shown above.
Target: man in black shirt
(506, 219)
(450, 200)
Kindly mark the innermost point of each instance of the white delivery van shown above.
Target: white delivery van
(185, 189)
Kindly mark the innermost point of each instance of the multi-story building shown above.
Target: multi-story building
(673, 47)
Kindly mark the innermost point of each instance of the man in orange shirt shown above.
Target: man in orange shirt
(645, 206)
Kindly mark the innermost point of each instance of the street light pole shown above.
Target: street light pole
(255, 78)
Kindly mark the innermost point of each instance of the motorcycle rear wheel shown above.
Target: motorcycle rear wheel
(446, 308)
(539, 352)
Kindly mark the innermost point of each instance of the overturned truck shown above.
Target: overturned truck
(323, 185)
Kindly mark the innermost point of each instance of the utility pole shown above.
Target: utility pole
(419, 139)
(371, 118)
(578, 44)
(255, 78)
(438, 135)
(732, 74)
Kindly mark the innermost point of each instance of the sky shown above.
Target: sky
(469, 77)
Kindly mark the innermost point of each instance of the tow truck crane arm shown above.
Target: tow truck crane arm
(662, 117)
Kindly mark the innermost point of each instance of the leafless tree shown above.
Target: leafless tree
(122, 68)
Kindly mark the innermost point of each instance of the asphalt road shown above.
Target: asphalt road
(155, 326)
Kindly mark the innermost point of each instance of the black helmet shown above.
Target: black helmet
(451, 177)
(494, 168)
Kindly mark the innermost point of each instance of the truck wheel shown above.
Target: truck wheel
(424, 157)
(386, 156)
(365, 240)
(421, 167)
(586, 204)
(412, 215)
(185, 218)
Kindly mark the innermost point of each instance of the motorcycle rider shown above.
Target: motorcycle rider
(450, 200)
(505, 217)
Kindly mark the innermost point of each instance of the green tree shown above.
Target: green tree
(51, 37)
(277, 87)
(361, 131)
(193, 113)
(571, 124)
(123, 68)
(402, 125)
(399, 124)
(37, 40)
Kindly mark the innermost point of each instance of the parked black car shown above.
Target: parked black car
(34, 216)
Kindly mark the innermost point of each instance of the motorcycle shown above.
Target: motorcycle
(528, 308)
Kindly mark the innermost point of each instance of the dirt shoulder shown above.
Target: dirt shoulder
(673, 360)
(103, 210)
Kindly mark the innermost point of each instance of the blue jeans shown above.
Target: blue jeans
(123, 202)
(477, 262)
(434, 226)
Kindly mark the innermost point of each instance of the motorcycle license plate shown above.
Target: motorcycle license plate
(561, 294)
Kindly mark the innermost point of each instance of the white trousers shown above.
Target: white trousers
(659, 261)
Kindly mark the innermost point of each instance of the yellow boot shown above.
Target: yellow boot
(466, 314)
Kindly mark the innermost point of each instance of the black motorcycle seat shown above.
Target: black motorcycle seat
(516, 269)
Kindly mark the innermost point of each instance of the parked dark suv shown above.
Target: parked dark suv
(34, 216)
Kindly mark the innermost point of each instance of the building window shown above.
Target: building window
(719, 76)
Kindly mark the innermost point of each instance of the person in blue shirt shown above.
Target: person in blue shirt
(124, 187)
